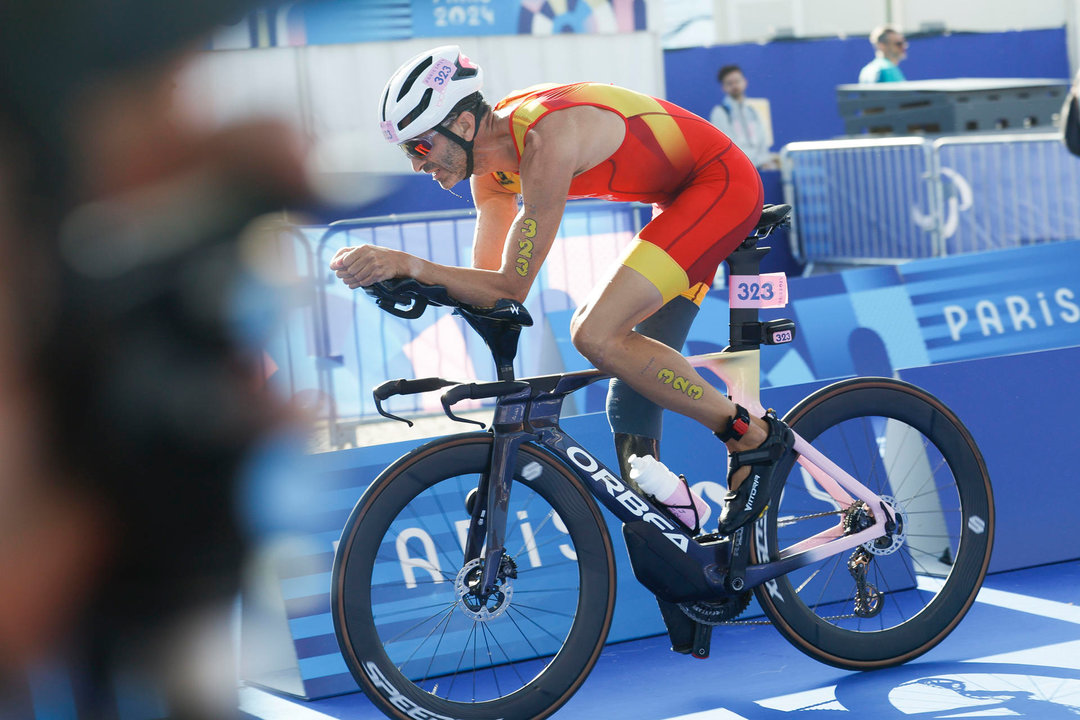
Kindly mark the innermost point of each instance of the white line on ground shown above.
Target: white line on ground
(1058, 655)
(262, 704)
(822, 698)
(717, 714)
(1016, 601)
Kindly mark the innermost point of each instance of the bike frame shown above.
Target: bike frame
(532, 414)
(528, 409)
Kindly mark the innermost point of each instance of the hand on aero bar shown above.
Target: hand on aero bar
(367, 264)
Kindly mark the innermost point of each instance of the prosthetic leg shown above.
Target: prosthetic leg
(636, 424)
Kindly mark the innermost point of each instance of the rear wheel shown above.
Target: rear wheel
(918, 581)
(414, 636)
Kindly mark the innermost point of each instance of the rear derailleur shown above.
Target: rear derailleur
(868, 599)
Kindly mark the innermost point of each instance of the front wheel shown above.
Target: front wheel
(414, 637)
(917, 582)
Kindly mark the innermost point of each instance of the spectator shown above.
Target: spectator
(740, 121)
(890, 48)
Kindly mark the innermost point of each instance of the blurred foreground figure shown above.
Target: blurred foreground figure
(128, 405)
(1070, 118)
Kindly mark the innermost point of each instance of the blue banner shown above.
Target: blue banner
(329, 22)
(432, 18)
(1001, 303)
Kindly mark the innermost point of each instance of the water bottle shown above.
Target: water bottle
(656, 480)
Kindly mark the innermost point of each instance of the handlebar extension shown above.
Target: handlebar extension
(391, 388)
(478, 391)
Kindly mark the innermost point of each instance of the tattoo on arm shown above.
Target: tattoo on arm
(525, 246)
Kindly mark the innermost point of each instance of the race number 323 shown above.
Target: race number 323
(758, 291)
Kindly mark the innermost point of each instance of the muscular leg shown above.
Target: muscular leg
(602, 330)
(628, 411)
(637, 422)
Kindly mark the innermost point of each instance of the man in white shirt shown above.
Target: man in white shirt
(739, 121)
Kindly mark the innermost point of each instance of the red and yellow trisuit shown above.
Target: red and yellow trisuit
(706, 193)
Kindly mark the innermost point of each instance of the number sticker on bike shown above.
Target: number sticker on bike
(758, 291)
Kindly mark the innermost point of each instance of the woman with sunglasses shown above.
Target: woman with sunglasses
(550, 142)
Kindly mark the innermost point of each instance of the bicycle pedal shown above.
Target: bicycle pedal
(702, 640)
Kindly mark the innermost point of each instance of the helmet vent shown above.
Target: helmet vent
(382, 105)
(416, 111)
(407, 85)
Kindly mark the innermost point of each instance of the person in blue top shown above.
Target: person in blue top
(890, 47)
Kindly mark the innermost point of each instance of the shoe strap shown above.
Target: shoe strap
(737, 426)
(769, 451)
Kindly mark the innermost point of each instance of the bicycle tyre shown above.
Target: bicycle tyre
(925, 594)
(404, 675)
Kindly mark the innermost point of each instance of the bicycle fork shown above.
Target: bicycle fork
(487, 526)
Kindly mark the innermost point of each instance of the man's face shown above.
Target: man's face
(734, 85)
(444, 159)
(894, 46)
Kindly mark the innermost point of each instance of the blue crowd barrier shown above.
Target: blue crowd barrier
(892, 199)
(335, 344)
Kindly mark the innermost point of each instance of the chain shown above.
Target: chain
(769, 622)
(792, 520)
(789, 521)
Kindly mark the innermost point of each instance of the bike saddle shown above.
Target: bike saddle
(408, 298)
(772, 217)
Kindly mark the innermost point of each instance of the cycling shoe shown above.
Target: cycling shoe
(754, 493)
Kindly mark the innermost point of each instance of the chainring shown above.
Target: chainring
(715, 613)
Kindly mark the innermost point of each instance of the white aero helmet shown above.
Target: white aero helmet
(423, 91)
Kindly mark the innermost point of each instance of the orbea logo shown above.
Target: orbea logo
(626, 497)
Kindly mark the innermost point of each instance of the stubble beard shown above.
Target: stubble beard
(454, 169)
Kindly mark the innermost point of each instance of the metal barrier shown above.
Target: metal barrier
(1007, 191)
(335, 345)
(889, 200)
(852, 200)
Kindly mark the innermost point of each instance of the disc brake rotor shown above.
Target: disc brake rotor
(890, 542)
(475, 606)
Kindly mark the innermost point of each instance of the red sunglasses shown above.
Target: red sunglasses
(418, 147)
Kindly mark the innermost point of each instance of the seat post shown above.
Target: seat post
(501, 337)
(746, 260)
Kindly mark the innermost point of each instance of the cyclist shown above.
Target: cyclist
(550, 142)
